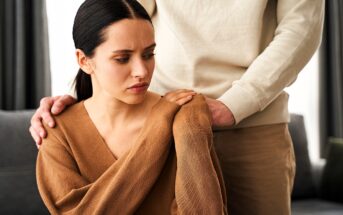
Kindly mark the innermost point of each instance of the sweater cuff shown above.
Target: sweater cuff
(241, 103)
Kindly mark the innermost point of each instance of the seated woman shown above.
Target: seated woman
(122, 149)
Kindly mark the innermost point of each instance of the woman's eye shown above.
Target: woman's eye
(122, 60)
(148, 56)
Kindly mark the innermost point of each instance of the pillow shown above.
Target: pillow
(332, 180)
(303, 182)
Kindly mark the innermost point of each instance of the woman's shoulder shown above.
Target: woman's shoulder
(66, 123)
(70, 119)
(72, 112)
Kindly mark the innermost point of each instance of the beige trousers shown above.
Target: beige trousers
(258, 167)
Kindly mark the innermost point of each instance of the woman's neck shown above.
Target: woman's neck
(118, 123)
(112, 113)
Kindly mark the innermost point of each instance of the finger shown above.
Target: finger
(55, 98)
(183, 90)
(35, 136)
(61, 102)
(37, 125)
(46, 103)
(184, 100)
(48, 119)
(176, 96)
(181, 95)
(44, 111)
(39, 129)
(174, 92)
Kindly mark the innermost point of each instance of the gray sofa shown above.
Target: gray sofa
(19, 194)
(18, 189)
(310, 195)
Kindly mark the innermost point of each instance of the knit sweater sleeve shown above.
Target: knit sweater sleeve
(296, 38)
(199, 185)
(122, 187)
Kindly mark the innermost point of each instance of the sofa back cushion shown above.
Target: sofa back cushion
(18, 189)
(303, 183)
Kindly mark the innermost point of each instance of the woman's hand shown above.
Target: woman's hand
(180, 97)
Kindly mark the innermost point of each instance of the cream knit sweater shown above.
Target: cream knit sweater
(241, 52)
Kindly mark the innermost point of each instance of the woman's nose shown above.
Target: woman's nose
(139, 69)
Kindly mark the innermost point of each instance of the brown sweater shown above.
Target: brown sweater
(171, 169)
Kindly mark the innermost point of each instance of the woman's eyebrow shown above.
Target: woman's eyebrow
(122, 51)
(130, 51)
(151, 46)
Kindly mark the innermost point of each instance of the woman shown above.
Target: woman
(122, 149)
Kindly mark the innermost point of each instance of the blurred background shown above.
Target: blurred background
(37, 59)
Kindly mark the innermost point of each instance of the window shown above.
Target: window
(304, 99)
(64, 67)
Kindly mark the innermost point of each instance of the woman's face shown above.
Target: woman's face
(122, 66)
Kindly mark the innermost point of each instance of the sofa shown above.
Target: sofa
(19, 194)
(315, 185)
(18, 189)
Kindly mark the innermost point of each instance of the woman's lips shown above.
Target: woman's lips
(138, 88)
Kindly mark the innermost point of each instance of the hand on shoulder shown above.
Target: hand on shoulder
(49, 106)
(180, 97)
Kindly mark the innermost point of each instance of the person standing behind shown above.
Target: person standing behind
(241, 55)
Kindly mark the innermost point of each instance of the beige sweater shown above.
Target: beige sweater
(78, 174)
(242, 52)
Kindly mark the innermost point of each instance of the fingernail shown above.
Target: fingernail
(41, 134)
(51, 124)
(54, 110)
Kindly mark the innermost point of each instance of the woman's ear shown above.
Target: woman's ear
(83, 61)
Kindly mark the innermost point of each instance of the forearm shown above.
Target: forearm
(197, 187)
(296, 38)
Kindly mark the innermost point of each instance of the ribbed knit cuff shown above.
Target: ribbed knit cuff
(241, 103)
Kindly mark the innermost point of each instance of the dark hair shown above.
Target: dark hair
(91, 19)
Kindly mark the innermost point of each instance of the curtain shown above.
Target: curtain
(331, 76)
(24, 57)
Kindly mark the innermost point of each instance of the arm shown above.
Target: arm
(296, 38)
(199, 187)
(122, 187)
